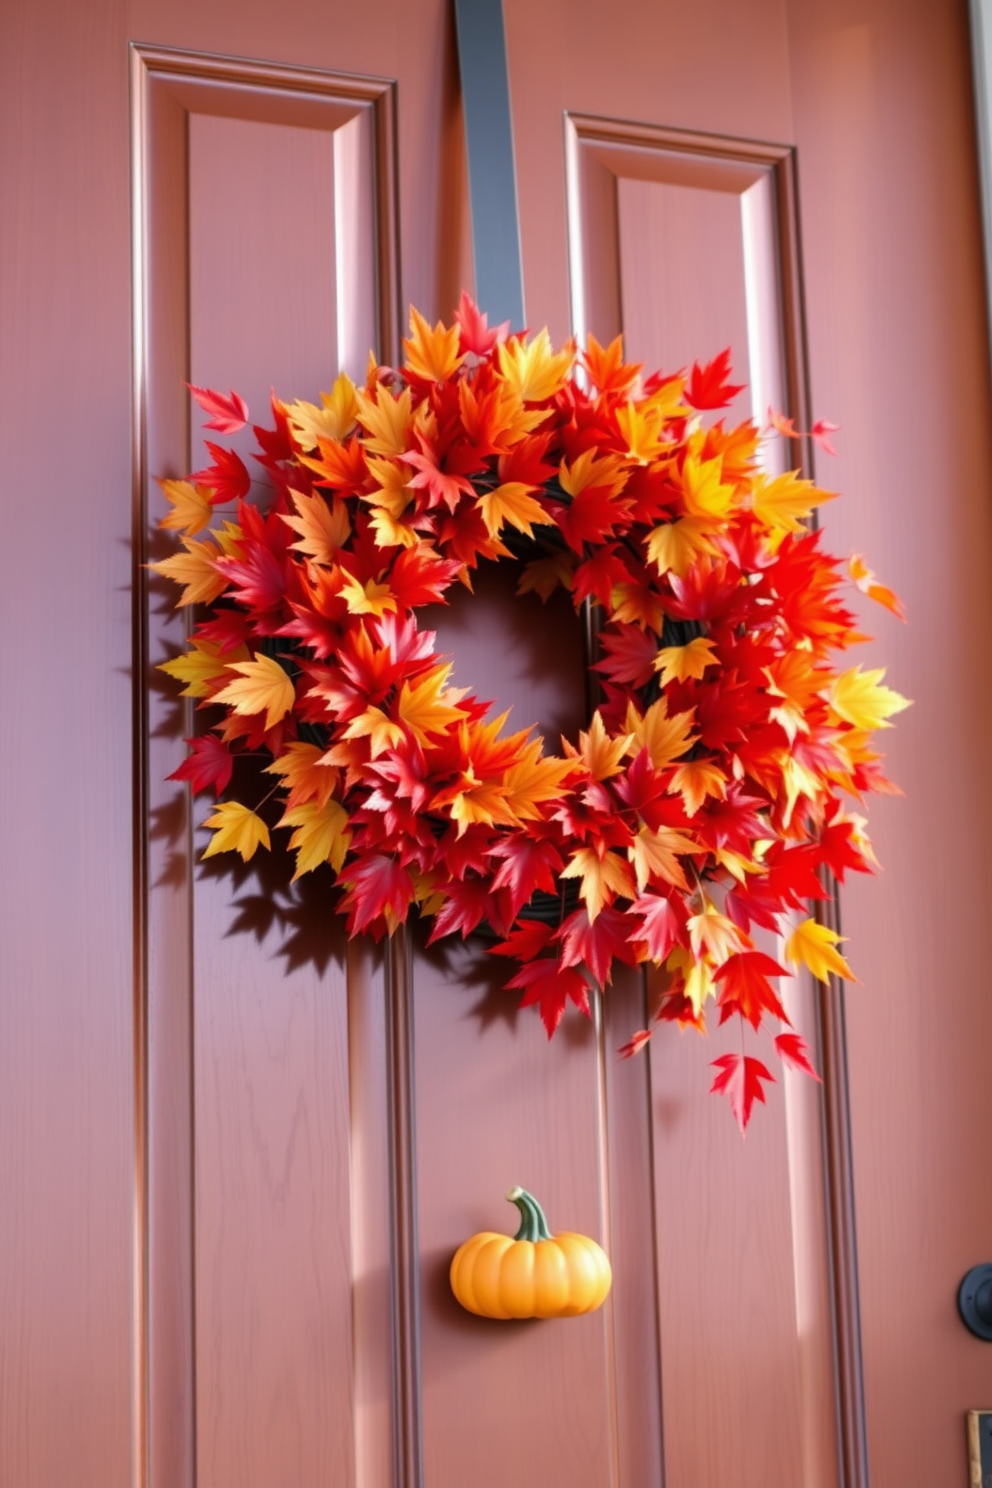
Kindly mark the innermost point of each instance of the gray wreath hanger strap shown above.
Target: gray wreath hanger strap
(492, 182)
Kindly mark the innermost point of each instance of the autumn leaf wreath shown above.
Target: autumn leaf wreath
(708, 795)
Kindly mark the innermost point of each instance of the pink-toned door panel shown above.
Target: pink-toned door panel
(237, 1154)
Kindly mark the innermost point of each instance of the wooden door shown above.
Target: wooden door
(237, 1155)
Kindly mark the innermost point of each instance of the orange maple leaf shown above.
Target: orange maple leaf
(429, 707)
(431, 354)
(323, 525)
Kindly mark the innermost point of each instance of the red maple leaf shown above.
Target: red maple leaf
(209, 762)
(838, 850)
(525, 941)
(257, 580)
(227, 477)
(600, 574)
(591, 516)
(794, 1051)
(466, 904)
(820, 434)
(636, 1044)
(551, 986)
(709, 385)
(745, 988)
(420, 577)
(440, 484)
(227, 629)
(475, 333)
(375, 884)
(527, 865)
(631, 653)
(227, 414)
(739, 1078)
(596, 944)
(663, 923)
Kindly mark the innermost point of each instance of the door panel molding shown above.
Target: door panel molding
(604, 160)
(168, 87)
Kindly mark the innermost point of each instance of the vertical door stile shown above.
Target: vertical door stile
(608, 164)
(405, 1260)
(258, 1029)
(826, 1009)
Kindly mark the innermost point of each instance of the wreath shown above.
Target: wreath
(712, 791)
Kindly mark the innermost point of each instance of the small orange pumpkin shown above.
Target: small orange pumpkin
(532, 1275)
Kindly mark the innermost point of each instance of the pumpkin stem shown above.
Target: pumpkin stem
(533, 1225)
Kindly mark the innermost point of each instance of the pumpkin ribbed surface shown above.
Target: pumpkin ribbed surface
(497, 1276)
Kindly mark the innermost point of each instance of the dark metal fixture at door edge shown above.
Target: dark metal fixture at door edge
(975, 1301)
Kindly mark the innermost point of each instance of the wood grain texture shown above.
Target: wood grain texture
(273, 1230)
(67, 1160)
(706, 247)
(682, 275)
(894, 289)
(496, 1106)
(221, 292)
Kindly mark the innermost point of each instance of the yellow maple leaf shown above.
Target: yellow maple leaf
(543, 575)
(676, 663)
(322, 835)
(431, 354)
(192, 507)
(229, 538)
(714, 935)
(195, 570)
(369, 598)
(386, 420)
(699, 983)
(429, 707)
(673, 547)
(534, 779)
(236, 829)
(511, 502)
(592, 469)
(389, 533)
(333, 420)
(602, 878)
(322, 523)
(644, 429)
(473, 800)
(305, 773)
(780, 504)
(798, 780)
(703, 492)
(377, 727)
(696, 974)
(392, 485)
(535, 372)
(653, 855)
(857, 697)
(262, 686)
(599, 751)
(667, 398)
(201, 665)
(664, 738)
(697, 779)
(813, 945)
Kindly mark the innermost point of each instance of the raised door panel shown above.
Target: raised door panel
(686, 245)
(268, 1256)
